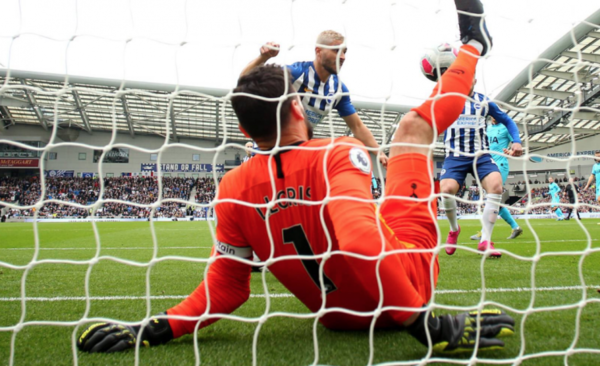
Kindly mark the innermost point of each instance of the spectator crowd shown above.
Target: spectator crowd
(145, 191)
(86, 191)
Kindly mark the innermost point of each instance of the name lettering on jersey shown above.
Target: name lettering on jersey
(292, 193)
(494, 140)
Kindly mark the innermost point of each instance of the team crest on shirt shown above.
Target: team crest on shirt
(329, 97)
(360, 159)
(477, 105)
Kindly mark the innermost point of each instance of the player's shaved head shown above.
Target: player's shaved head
(259, 117)
(328, 37)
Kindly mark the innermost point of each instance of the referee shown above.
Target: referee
(572, 191)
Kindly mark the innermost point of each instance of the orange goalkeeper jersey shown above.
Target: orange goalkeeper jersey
(309, 201)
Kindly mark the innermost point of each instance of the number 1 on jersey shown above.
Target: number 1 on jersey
(296, 235)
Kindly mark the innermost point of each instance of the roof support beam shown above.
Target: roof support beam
(82, 113)
(9, 101)
(529, 110)
(7, 117)
(587, 115)
(567, 131)
(563, 115)
(174, 135)
(591, 57)
(218, 121)
(555, 94)
(594, 34)
(582, 76)
(127, 115)
(35, 107)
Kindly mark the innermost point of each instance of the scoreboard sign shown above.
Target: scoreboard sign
(19, 163)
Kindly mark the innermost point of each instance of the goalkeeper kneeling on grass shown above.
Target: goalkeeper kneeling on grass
(394, 248)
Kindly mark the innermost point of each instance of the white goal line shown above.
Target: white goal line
(287, 295)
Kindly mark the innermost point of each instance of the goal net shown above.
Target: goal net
(117, 121)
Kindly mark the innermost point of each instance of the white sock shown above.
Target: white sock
(476, 44)
(490, 214)
(450, 208)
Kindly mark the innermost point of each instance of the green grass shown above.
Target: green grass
(284, 340)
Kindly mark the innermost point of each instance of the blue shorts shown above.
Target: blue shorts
(457, 168)
(555, 201)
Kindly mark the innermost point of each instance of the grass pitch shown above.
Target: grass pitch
(556, 263)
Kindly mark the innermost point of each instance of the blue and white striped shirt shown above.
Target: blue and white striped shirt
(307, 81)
(468, 134)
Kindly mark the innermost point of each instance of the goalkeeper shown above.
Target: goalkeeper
(357, 260)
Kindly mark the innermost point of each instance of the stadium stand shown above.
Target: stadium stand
(84, 191)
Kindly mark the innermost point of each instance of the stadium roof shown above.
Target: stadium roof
(555, 97)
(91, 104)
(558, 96)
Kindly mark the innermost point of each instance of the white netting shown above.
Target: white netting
(180, 35)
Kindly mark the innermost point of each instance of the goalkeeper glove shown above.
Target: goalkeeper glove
(457, 333)
(110, 337)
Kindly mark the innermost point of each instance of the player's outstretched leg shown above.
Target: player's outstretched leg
(473, 27)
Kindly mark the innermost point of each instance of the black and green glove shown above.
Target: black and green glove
(111, 337)
(457, 333)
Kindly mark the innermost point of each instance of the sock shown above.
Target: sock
(559, 213)
(505, 214)
(490, 214)
(450, 208)
(476, 44)
(457, 79)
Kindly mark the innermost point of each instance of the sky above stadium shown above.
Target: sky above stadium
(207, 43)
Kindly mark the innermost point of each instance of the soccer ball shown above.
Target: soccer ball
(440, 57)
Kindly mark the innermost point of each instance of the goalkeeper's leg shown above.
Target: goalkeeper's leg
(410, 211)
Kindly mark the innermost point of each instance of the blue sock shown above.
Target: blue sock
(505, 214)
(559, 213)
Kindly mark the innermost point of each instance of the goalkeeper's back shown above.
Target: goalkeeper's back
(302, 227)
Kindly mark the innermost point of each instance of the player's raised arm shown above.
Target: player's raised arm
(267, 51)
(511, 126)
